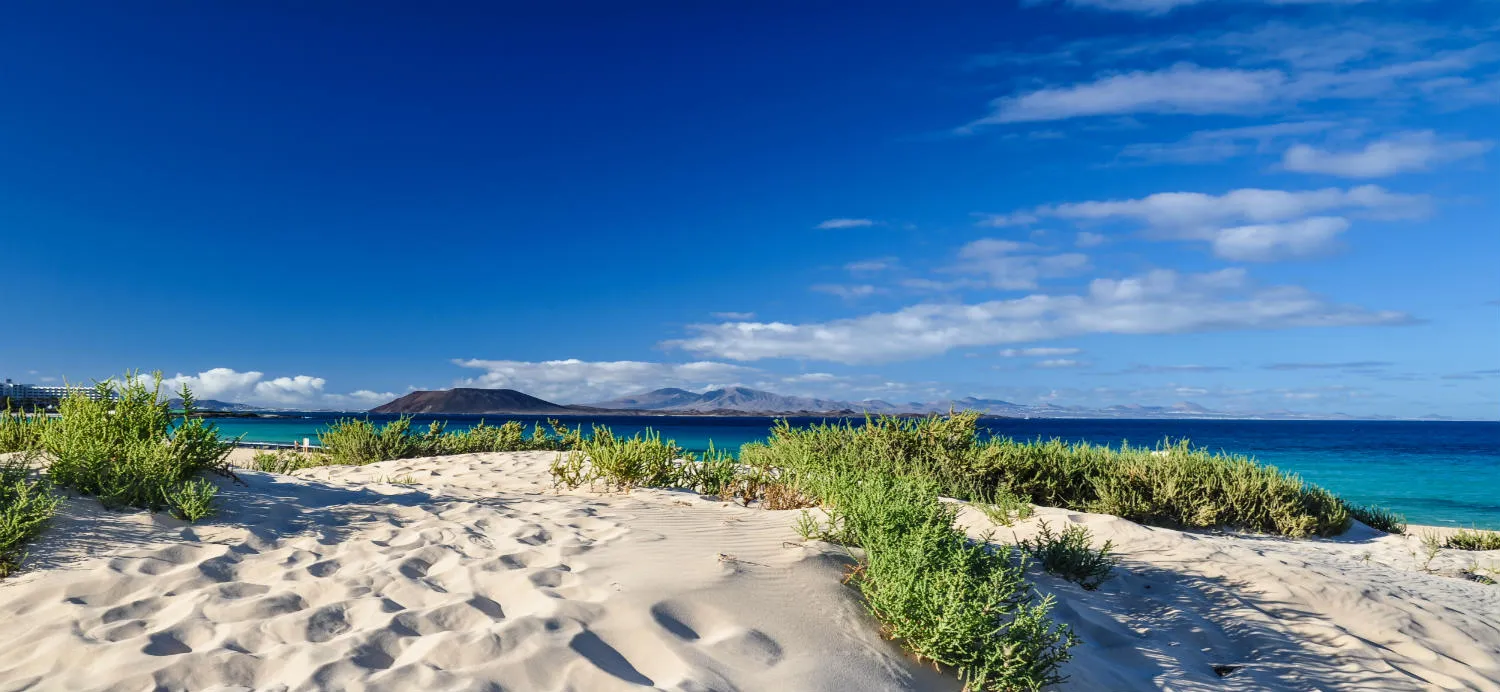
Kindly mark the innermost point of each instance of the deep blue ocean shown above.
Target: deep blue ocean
(1440, 473)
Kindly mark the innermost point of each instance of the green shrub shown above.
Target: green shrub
(21, 431)
(1378, 518)
(1071, 554)
(193, 500)
(959, 603)
(26, 505)
(285, 461)
(1174, 485)
(1465, 539)
(358, 441)
(717, 473)
(622, 463)
(122, 447)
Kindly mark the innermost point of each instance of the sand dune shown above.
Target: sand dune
(473, 575)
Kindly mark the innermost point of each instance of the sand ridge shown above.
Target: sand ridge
(471, 573)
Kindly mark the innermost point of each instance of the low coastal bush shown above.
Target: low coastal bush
(623, 463)
(1173, 485)
(1071, 554)
(26, 505)
(122, 447)
(1379, 518)
(1465, 539)
(21, 431)
(358, 441)
(285, 461)
(959, 603)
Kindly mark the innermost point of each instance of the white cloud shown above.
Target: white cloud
(1401, 153)
(1058, 363)
(1249, 223)
(1275, 241)
(290, 390)
(1003, 220)
(1207, 146)
(733, 315)
(1158, 7)
(846, 223)
(1009, 269)
(1040, 352)
(1182, 88)
(578, 381)
(872, 265)
(1087, 239)
(848, 292)
(252, 387)
(1159, 302)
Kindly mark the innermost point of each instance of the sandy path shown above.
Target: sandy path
(473, 575)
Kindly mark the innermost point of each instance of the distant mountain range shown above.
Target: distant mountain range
(215, 405)
(742, 401)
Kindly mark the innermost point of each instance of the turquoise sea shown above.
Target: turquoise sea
(1441, 473)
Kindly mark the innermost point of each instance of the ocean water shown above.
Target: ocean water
(1440, 473)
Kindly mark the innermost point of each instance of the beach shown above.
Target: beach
(471, 572)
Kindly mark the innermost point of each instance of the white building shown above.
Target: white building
(30, 395)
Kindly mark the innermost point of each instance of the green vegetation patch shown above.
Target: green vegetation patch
(26, 505)
(358, 441)
(122, 447)
(1466, 539)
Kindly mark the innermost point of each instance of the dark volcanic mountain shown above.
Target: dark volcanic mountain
(467, 400)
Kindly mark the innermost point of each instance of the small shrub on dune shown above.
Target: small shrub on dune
(1465, 539)
(1071, 554)
(26, 505)
(622, 463)
(959, 603)
(123, 448)
(1378, 518)
(285, 461)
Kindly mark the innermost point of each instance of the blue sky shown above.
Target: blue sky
(1248, 205)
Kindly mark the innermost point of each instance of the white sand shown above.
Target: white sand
(477, 577)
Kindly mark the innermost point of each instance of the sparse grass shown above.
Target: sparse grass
(1071, 554)
(1431, 546)
(123, 448)
(359, 441)
(26, 505)
(285, 461)
(1004, 508)
(1379, 518)
(1467, 539)
(406, 479)
(21, 431)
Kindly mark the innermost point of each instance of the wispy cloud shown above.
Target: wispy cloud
(1208, 146)
(1169, 369)
(849, 291)
(871, 265)
(1041, 351)
(1159, 7)
(1182, 88)
(1054, 363)
(1012, 265)
(1351, 365)
(1159, 302)
(733, 315)
(574, 381)
(1400, 153)
(846, 223)
(1247, 224)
